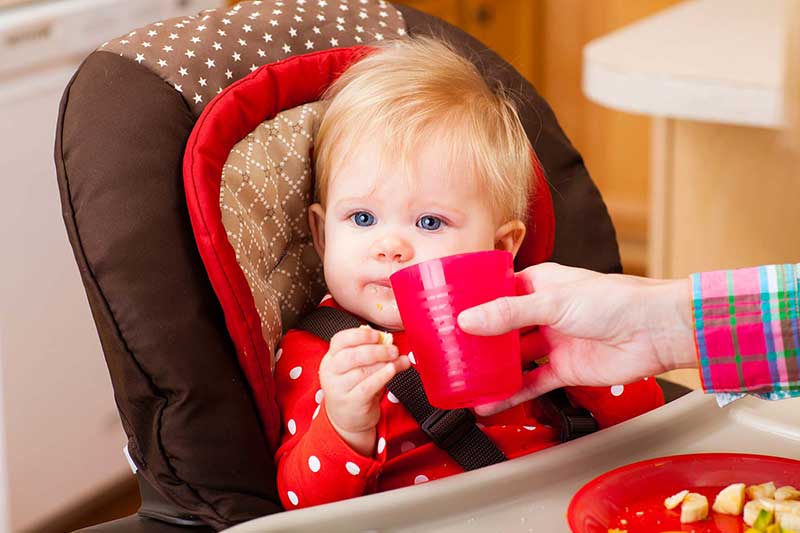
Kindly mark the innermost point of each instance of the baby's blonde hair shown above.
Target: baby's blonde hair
(408, 91)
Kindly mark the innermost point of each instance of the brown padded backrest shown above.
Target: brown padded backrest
(184, 404)
(182, 398)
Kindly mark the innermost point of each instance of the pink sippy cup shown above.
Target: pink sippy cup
(458, 369)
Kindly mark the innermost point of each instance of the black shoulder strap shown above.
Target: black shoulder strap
(452, 430)
(573, 422)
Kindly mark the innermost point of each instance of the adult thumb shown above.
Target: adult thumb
(507, 313)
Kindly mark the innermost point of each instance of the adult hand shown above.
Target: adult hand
(353, 375)
(596, 329)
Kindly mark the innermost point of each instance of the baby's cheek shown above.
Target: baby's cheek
(337, 282)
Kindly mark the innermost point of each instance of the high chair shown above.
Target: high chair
(163, 137)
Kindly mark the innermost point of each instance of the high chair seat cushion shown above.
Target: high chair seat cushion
(187, 405)
(192, 427)
(249, 184)
(265, 189)
(228, 119)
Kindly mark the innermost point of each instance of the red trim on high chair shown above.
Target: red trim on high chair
(234, 113)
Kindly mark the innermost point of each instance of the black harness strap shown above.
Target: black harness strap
(454, 431)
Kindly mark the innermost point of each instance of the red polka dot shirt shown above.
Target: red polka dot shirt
(316, 466)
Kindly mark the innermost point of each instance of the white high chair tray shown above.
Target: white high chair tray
(531, 494)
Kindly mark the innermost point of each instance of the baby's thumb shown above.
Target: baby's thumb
(504, 314)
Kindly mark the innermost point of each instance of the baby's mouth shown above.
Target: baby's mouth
(382, 289)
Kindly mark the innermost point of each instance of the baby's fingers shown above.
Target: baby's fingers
(374, 383)
(349, 338)
(364, 355)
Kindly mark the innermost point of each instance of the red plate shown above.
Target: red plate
(632, 497)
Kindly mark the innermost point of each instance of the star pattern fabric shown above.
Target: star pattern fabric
(202, 54)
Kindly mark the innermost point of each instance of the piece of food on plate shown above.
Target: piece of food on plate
(675, 500)
(694, 508)
(787, 493)
(786, 506)
(774, 528)
(756, 510)
(764, 519)
(765, 490)
(730, 500)
(790, 522)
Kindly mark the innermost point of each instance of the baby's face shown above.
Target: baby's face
(377, 223)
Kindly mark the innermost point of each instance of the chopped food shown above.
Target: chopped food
(762, 513)
(763, 519)
(384, 336)
(765, 490)
(774, 528)
(730, 500)
(675, 500)
(787, 493)
(790, 521)
(753, 509)
(694, 508)
(785, 507)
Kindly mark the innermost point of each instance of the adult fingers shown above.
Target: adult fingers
(539, 301)
(363, 355)
(510, 312)
(538, 381)
(543, 275)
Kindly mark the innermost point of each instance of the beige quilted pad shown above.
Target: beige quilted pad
(267, 186)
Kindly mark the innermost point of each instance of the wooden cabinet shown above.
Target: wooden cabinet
(509, 27)
(544, 40)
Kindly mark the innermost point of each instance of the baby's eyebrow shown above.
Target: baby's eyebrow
(352, 200)
(440, 207)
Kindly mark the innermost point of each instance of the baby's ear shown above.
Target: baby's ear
(316, 221)
(509, 236)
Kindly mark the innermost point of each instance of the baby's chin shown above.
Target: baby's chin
(384, 315)
(378, 309)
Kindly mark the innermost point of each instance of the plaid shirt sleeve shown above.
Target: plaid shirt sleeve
(747, 331)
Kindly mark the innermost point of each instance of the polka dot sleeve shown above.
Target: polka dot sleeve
(612, 405)
(315, 465)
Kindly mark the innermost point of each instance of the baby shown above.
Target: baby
(416, 158)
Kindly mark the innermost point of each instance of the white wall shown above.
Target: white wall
(63, 439)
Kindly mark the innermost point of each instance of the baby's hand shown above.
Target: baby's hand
(353, 375)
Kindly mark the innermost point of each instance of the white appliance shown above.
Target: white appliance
(60, 437)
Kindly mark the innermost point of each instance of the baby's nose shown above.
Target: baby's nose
(392, 248)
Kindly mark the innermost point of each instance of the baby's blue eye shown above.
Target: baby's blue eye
(363, 219)
(430, 223)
